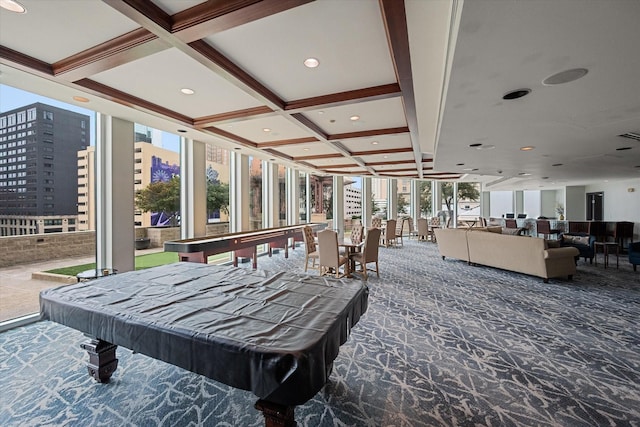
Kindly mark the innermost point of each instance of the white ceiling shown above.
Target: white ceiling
(245, 65)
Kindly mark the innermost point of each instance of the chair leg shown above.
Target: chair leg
(377, 272)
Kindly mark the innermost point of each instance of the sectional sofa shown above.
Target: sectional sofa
(488, 246)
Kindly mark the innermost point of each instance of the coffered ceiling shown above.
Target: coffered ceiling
(402, 89)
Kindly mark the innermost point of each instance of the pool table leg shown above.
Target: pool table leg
(276, 415)
(102, 359)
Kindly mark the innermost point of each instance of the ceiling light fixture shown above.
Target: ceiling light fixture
(305, 149)
(354, 118)
(311, 62)
(182, 131)
(374, 142)
(515, 94)
(266, 130)
(623, 148)
(80, 99)
(527, 148)
(459, 164)
(476, 145)
(12, 6)
(557, 164)
(187, 91)
(565, 76)
(237, 148)
(486, 147)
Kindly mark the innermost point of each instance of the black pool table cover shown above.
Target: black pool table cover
(275, 334)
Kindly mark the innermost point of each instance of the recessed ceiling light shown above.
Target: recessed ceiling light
(486, 147)
(519, 93)
(237, 148)
(305, 149)
(266, 130)
(311, 62)
(557, 164)
(565, 76)
(354, 118)
(467, 169)
(12, 6)
(320, 112)
(385, 157)
(80, 99)
(524, 174)
(477, 144)
(374, 142)
(459, 164)
(182, 131)
(187, 91)
(527, 148)
(272, 160)
(474, 169)
(623, 148)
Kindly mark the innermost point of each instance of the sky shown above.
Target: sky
(11, 98)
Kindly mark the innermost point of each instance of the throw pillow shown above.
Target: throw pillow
(567, 240)
(581, 240)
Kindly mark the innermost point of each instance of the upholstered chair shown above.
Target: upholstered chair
(369, 251)
(390, 233)
(634, 254)
(376, 222)
(423, 229)
(357, 234)
(330, 258)
(310, 249)
(544, 227)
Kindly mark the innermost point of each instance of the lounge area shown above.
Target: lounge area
(442, 343)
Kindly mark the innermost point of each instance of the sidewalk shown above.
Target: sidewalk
(19, 293)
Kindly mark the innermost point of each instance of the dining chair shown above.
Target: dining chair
(389, 237)
(330, 257)
(423, 229)
(376, 222)
(400, 231)
(357, 234)
(544, 227)
(369, 251)
(510, 223)
(434, 222)
(310, 249)
(412, 231)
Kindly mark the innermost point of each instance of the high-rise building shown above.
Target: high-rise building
(38, 146)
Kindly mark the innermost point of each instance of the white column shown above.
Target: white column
(392, 198)
(115, 233)
(270, 195)
(414, 202)
(193, 189)
(436, 197)
(366, 202)
(308, 198)
(238, 193)
(293, 196)
(338, 204)
(454, 214)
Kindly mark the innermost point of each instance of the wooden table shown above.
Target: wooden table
(350, 248)
(274, 334)
(243, 243)
(605, 251)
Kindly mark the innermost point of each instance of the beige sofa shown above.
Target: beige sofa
(528, 255)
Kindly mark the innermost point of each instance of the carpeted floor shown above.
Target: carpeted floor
(443, 343)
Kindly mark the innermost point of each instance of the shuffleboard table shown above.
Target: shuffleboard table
(243, 243)
(274, 334)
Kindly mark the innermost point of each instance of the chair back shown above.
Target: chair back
(309, 241)
(543, 227)
(376, 222)
(357, 234)
(400, 226)
(328, 249)
(390, 229)
(410, 224)
(423, 227)
(511, 223)
(371, 245)
(434, 221)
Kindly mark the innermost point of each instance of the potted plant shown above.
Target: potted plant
(560, 212)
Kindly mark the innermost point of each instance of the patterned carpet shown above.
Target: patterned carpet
(442, 344)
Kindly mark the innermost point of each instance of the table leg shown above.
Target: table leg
(102, 359)
(276, 415)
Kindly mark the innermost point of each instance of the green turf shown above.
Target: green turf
(141, 262)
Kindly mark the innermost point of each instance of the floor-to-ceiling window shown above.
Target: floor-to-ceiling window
(352, 203)
(425, 190)
(379, 197)
(282, 196)
(321, 188)
(303, 208)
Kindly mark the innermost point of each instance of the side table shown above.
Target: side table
(606, 247)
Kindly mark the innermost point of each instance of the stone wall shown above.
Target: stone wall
(15, 250)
